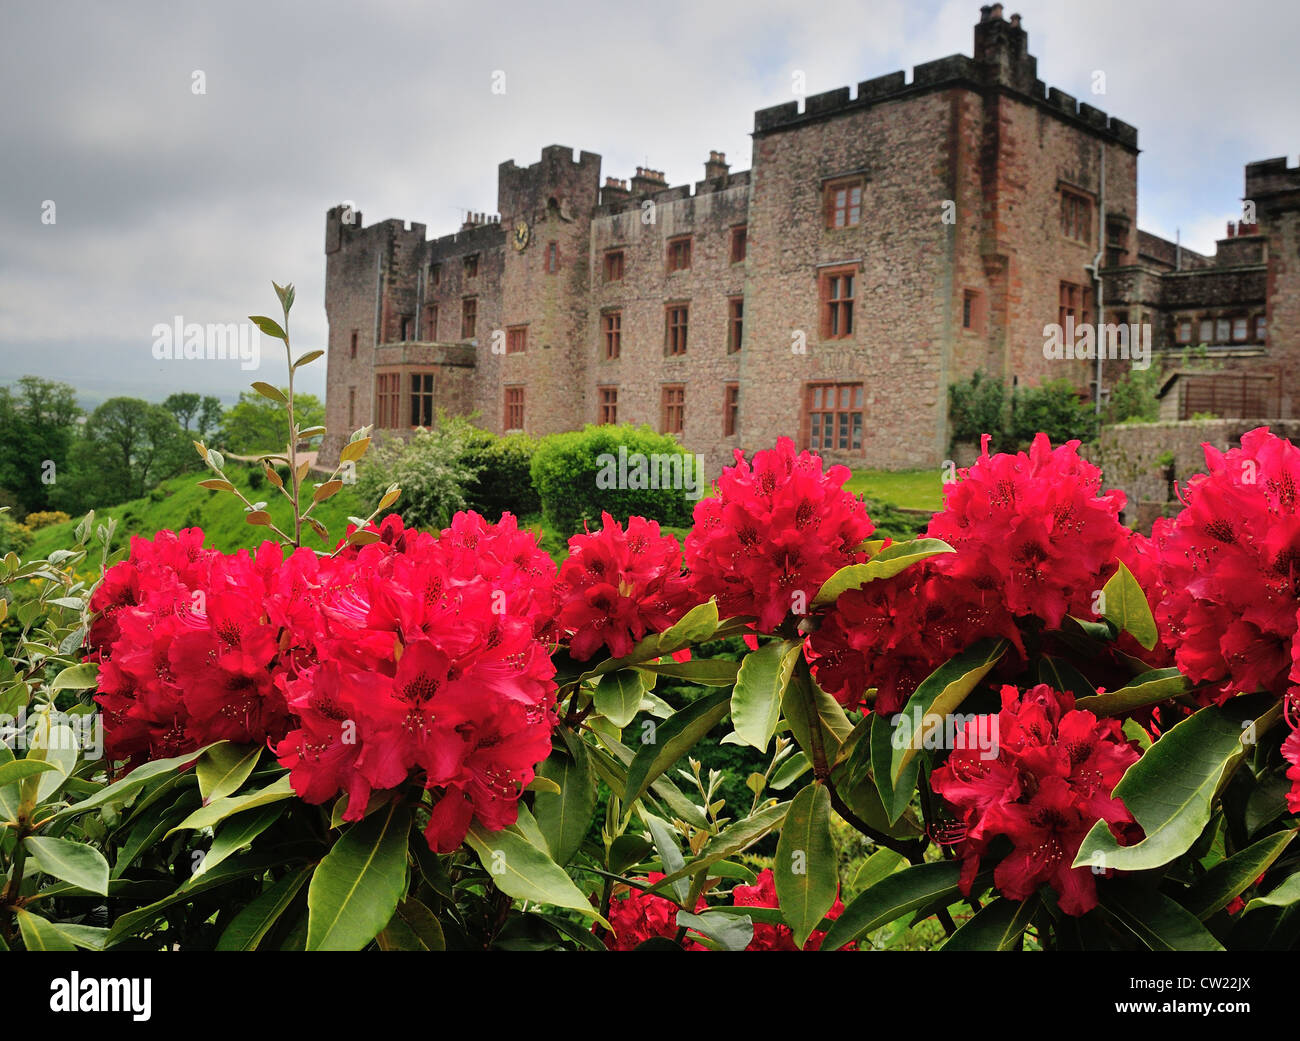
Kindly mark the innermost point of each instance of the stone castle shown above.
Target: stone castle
(886, 243)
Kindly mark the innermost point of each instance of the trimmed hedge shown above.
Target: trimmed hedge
(504, 482)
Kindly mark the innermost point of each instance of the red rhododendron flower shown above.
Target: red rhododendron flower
(1049, 780)
(640, 916)
(1035, 527)
(1291, 753)
(1230, 562)
(778, 937)
(616, 586)
(776, 530)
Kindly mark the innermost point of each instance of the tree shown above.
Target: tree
(257, 425)
(38, 424)
(209, 417)
(197, 415)
(129, 446)
(183, 407)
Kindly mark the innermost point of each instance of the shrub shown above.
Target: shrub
(14, 537)
(577, 476)
(433, 470)
(44, 518)
(504, 481)
(1133, 399)
(256, 478)
(1054, 408)
(976, 407)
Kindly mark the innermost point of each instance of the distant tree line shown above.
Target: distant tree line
(55, 456)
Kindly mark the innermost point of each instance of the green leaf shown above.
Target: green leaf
(673, 738)
(708, 672)
(123, 789)
(1161, 924)
(56, 745)
(224, 767)
(1169, 790)
(670, 855)
(218, 810)
(760, 685)
(273, 393)
(888, 562)
(728, 931)
(269, 326)
(76, 677)
(521, 870)
(806, 867)
(1126, 606)
(995, 927)
(564, 818)
(1059, 674)
(891, 898)
(881, 864)
(1284, 895)
(732, 839)
(790, 771)
(1147, 689)
(253, 922)
(235, 834)
(40, 934)
(18, 769)
(618, 696)
(895, 743)
(356, 888)
(413, 927)
(70, 861)
(804, 698)
(1231, 877)
(308, 358)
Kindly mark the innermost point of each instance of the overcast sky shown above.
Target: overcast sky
(172, 203)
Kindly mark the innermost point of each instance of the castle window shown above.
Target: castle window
(1076, 216)
(730, 409)
(1261, 327)
(673, 408)
(833, 417)
(431, 322)
(421, 399)
(611, 327)
(679, 254)
(614, 265)
(517, 339)
(676, 320)
(1207, 330)
(1240, 329)
(972, 310)
(408, 324)
(609, 405)
(468, 317)
(514, 418)
(352, 407)
(837, 286)
(1183, 331)
(844, 203)
(739, 243)
(388, 388)
(1222, 330)
(352, 353)
(1075, 302)
(735, 323)
(471, 266)
(552, 257)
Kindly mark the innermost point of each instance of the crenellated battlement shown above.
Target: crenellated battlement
(1002, 63)
(1271, 177)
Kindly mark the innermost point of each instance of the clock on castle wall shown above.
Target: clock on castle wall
(522, 235)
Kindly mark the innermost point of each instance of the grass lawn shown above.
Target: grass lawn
(908, 489)
(181, 503)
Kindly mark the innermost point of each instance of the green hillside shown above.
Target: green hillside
(181, 503)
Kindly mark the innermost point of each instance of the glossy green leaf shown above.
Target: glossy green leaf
(224, 767)
(880, 865)
(358, 884)
(760, 686)
(74, 862)
(1232, 876)
(673, 738)
(39, 934)
(618, 696)
(1147, 689)
(806, 866)
(1126, 606)
(892, 897)
(76, 677)
(413, 927)
(995, 927)
(811, 711)
(1169, 790)
(237, 833)
(708, 672)
(218, 810)
(254, 921)
(521, 870)
(670, 855)
(1159, 923)
(123, 789)
(565, 818)
(728, 931)
(888, 562)
(737, 836)
(1285, 895)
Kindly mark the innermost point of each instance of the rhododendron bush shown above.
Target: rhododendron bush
(1049, 732)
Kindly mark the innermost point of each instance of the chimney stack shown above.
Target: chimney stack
(647, 181)
(717, 166)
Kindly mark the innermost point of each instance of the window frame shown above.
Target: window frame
(516, 339)
(471, 265)
(735, 323)
(739, 246)
(607, 406)
(831, 207)
(841, 416)
(423, 390)
(552, 257)
(513, 399)
(672, 407)
(1075, 202)
(679, 253)
(615, 259)
(833, 309)
(611, 333)
(469, 317)
(730, 409)
(675, 345)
